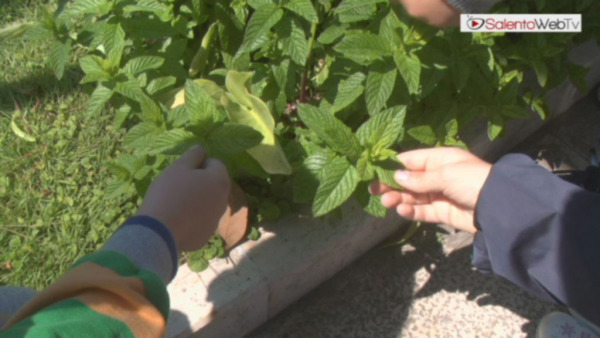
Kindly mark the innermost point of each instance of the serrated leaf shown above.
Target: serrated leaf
(317, 161)
(142, 64)
(234, 138)
(296, 45)
(98, 7)
(140, 135)
(423, 134)
(92, 67)
(348, 91)
(332, 131)
(365, 169)
(370, 203)
(162, 11)
(380, 85)
(259, 25)
(158, 84)
(58, 57)
(382, 130)
(131, 89)
(244, 108)
(363, 47)
(98, 99)
(350, 5)
(332, 33)
(409, 66)
(339, 182)
(174, 141)
(386, 172)
(304, 8)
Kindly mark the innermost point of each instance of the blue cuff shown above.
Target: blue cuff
(161, 230)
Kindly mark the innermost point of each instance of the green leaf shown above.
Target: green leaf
(423, 134)
(332, 33)
(14, 31)
(20, 133)
(140, 135)
(363, 47)
(339, 182)
(98, 7)
(160, 83)
(304, 8)
(58, 57)
(382, 130)
(174, 141)
(350, 5)
(348, 91)
(357, 10)
(98, 99)
(541, 70)
(370, 203)
(92, 67)
(165, 13)
(131, 89)
(386, 172)
(247, 109)
(142, 64)
(409, 66)
(234, 138)
(332, 131)
(196, 262)
(365, 169)
(259, 25)
(380, 85)
(495, 126)
(296, 45)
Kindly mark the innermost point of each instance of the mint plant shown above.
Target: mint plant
(306, 101)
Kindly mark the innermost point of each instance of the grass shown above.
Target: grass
(52, 205)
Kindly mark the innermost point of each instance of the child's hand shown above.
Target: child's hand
(434, 12)
(189, 197)
(442, 186)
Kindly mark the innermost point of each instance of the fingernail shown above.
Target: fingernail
(402, 175)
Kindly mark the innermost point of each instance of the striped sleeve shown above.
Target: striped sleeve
(104, 293)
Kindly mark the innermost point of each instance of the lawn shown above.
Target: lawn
(52, 208)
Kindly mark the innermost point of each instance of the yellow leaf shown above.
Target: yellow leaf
(20, 133)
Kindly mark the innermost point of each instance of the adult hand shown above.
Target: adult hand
(189, 197)
(442, 186)
(434, 12)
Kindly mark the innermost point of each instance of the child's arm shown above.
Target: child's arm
(121, 290)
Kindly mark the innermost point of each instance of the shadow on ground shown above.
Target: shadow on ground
(410, 291)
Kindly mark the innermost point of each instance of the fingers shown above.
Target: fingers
(419, 212)
(394, 198)
(431, 158)
(421, 182)
(219, 170)
(192, 159)
(378, 188)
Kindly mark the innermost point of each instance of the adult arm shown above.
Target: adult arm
(532, 228)
(541, 233)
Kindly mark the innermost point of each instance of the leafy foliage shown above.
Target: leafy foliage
(305, 101)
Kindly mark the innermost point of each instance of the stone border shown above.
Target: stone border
(259, 279)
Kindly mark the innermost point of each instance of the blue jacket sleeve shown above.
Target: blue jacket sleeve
(541, 233)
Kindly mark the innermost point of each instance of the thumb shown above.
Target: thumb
(420, 181)
(192, 159)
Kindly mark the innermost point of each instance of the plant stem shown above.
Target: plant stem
(303, 85)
